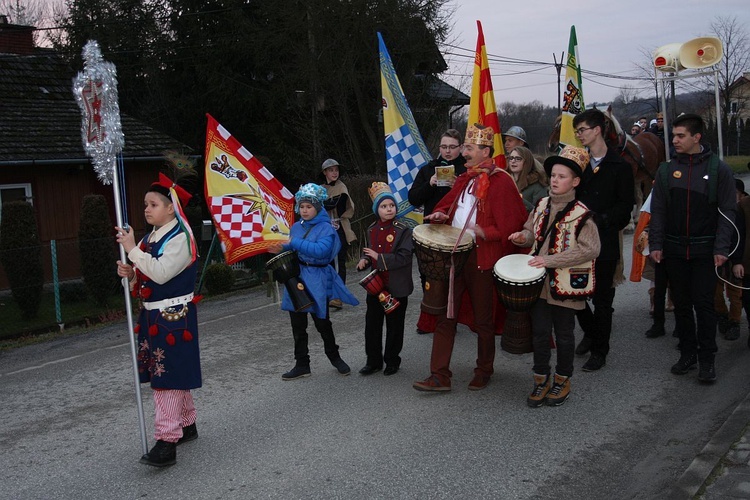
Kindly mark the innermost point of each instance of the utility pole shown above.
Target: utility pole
(558, 67)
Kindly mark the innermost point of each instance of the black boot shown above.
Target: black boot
(298, 371)
(655, 331)
(161, 455)
(188, 433)
(584, 346)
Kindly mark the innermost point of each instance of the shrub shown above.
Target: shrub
(72, 292)
(219, 278)
(97, 247)
(20, 254)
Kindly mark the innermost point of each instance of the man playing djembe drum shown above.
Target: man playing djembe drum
(485, 202)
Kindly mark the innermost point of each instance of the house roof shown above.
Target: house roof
(40, 119)
(439, 90)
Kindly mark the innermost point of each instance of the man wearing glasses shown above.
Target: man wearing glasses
(427, 191)
(607, 190)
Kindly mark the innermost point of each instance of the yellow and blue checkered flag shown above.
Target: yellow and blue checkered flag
(405, 151)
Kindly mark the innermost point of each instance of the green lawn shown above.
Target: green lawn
(738, 163)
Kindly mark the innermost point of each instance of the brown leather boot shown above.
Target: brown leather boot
(539, 393)
(559, 392)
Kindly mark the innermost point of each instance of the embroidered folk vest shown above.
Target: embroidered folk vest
(564, 282)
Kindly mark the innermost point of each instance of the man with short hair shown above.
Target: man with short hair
(607, 190)
(658, 127)
(643, 123)
(692, 215)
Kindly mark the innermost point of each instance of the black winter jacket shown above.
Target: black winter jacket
(421, 193)
(687, 226)
(607, 190)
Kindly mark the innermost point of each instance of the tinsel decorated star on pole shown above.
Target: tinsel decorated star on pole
(95, 89)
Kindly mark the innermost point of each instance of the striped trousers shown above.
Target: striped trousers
(174, 409)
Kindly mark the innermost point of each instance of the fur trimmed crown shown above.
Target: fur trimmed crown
(483, 136)
(378, 188)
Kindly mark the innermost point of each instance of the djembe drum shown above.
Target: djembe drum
(285, 269)
(375, 285)
(434, 246)
(518, 287)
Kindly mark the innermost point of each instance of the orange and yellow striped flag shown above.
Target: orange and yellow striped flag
(482, 107)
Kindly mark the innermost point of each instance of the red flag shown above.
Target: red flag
(482, 108)
(251, 209)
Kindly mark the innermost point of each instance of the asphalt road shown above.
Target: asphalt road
(69, 426)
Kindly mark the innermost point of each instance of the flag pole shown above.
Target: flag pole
(95, 90)
(129, 313)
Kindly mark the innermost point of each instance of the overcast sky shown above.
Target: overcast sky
(611, 39)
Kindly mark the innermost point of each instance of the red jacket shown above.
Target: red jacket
(501, 214)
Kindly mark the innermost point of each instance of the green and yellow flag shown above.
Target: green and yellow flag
(573, 98)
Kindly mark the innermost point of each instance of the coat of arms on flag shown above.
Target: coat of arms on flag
(573, 97)
(250, 208)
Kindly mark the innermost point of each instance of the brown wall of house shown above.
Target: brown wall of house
(58, 192)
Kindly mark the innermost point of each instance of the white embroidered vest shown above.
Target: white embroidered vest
(565, 282)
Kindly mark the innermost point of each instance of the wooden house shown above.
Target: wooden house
(41, 153)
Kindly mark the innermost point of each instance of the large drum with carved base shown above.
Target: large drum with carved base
(518, 286)
(437, 246)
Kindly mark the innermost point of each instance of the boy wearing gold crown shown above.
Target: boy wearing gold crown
(389, 251)
(163, 277)
(485, 203)
(565, 242)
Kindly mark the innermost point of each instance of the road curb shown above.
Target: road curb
(700, 469)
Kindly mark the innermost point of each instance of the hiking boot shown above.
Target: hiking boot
(161, 455)
(707, 371)
(584, 346)
(655, 331)
(341, 366)
(296, 372)
(686, 363)
(189, 433)
(733, 332)
(431, 384)
(336, 303)
(723, 323)
(594, 363)
(539, 393)
(559, 392)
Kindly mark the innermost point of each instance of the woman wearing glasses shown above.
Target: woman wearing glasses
(427, 191)
(532, 181)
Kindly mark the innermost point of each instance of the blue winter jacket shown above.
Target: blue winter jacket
(317, 244)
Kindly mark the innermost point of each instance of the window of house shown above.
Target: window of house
(14, 192)
(733, 107)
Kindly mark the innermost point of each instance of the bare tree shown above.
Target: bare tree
(37, 13)
(736, 60)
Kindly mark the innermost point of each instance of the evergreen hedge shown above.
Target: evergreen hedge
(97, 247)
(21, 256)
